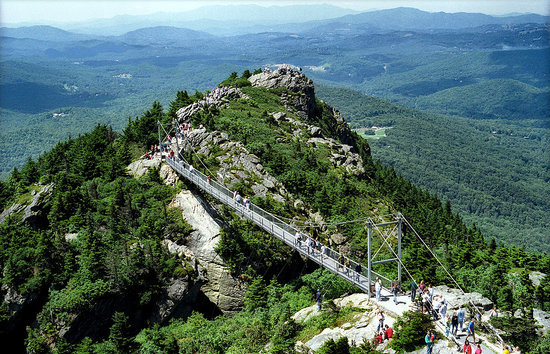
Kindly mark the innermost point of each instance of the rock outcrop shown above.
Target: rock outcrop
(456, 298)
(32, 212)
(217, 98)
(301, 95)
(236, 163)
(140, 168)
(221, 288)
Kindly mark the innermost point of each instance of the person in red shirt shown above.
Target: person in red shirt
(389, 332)
(378, 338)
(467, 347)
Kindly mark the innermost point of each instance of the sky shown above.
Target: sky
(51, 11)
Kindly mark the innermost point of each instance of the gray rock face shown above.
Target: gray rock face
(178, 291)
(302, 98)
(16, 305)
(236, 164)
(221, 287)
(217, 98)
(140, 168)
(31, 212)
(456, 298)
(543, 319)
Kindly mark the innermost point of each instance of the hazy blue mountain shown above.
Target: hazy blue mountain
(409, 18)
(161, 35)
(219, 20)
(46, 33)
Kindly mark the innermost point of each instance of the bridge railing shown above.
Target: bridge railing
(330, 259)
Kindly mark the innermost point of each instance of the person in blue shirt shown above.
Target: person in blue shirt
(471, 330)
(460, 316)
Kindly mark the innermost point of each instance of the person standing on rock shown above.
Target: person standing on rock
(414, 286)
(454, 324)
(422, 286)
(460, 317)
(319, 299)
(381, 319)
(467, 347)
(443, 309)
(471, 330)
(395, 290)
(479, 350)
(429, 342)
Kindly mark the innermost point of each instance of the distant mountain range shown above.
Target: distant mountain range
(242, 19)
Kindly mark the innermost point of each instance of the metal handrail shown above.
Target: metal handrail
(277, 227)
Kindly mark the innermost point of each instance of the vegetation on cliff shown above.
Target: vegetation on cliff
(119, 259)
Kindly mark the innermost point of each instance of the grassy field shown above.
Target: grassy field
(379, 133)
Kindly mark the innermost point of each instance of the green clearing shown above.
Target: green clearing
(367, 133)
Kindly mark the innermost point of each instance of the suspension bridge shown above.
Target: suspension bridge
(351, 271)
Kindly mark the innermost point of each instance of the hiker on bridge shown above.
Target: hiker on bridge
(358, 271)
(299, 238)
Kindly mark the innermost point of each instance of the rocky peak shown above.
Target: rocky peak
(302, 91)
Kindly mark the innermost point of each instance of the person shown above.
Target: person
(378, 338)
(422, 286)
(347, 265)
(298, 237)
(425, 302)
(395, 290)
(208, 179)
(323, 251)
(447, 324)
(431, 292)
(460, 317)
(358, 270)
(389, 332)
(319, 298)
(429, 342)
(377, 287)
(479, 350)
(381, 319)
(467, 347)
(340, 261)
(471, 330)
(506, 350)
(493, 313)
(191, 169)
(238, 198)
(309, 244)
(246, 203)
(454, 324)
(436, 305)
(443, 309)
(414, 286)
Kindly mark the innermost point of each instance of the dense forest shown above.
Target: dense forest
(495, 172)
(119, 258)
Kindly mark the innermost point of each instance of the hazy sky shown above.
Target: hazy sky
(46, 11)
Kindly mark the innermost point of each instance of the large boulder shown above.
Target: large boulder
(302, 96)
(221, 288)
(456, 298)
(140, 168)
(32, 212)
(543, 319)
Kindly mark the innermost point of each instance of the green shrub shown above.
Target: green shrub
(410, 331)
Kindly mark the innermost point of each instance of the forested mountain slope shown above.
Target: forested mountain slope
(95, 267)
(495, 173)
